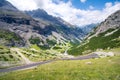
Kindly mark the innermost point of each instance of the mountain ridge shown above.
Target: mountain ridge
(30, 29)
(113, 21)
(105, 36)
(6, 5)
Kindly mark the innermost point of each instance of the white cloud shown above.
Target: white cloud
(68, 12)
(83, 1)
(24, 4)
(108, 4)
(91, 7)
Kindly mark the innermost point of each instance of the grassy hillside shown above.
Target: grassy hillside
(8, 38)
(9, 58)
(7, 35)
(34, 52)
(37, 55)
(98, 42)
(93, 69)
(7, 55)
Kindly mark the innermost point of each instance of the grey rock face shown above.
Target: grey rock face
(113, 21)
(6, 5)
(58, 25)
(47, 27)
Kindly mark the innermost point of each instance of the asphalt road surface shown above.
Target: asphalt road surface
(25, 66)
(89, 56)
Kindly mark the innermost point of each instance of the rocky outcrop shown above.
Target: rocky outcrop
(113, 21)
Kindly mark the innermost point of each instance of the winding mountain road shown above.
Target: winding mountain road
(27, 66)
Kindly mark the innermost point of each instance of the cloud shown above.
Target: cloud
(83, 1)
(77, 16)
(108, 4)
(24, 4)
(68, 12)
(91, 7)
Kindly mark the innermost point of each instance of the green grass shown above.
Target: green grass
(35, 47)
(51, 42)
(9, 58)
(7, 55)
(99, 69)
(7, 35)
(36, 54)
(34, 40)
(99, 42)
(8, 38)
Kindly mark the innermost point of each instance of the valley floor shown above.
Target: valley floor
(34, 64)
(92, 69)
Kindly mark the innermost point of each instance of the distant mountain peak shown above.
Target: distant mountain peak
(43, 15)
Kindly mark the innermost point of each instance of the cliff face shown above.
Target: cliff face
(113, 21)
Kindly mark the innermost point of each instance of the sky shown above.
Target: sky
(76, 12)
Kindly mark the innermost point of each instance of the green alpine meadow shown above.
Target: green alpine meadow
(59, 40)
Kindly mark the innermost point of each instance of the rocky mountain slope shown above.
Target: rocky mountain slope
(45, 31)
(6, 5)
(88, 28)
(37, 39)
(60, 25)
(105, 36)
(112, 22)
(45, 17)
